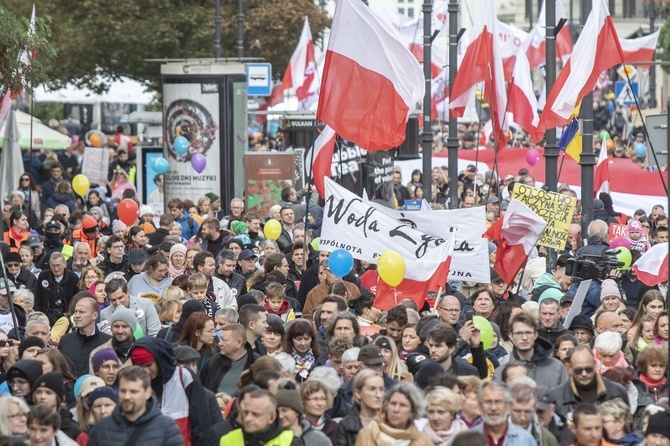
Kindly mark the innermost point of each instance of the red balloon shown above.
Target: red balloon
(128, 211)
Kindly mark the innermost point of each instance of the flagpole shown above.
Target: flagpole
(452, 140)
(426, 134)
(652, 69)
(587, 158)
(30, 167)
(668, 253)
(550, 146)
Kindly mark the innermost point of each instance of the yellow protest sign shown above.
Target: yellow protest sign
(555, 209)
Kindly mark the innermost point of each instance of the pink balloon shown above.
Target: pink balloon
(75, 139)
(198, 161)
(620, 242)
(532, 156)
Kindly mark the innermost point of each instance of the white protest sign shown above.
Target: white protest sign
(95, 165)
(576, 307)
(356, 226)
(471, 250)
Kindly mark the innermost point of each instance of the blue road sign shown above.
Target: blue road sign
(259, 79)
(625, 93)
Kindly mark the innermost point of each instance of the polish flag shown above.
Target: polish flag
(276, 97)
(371, 82)
(641, 49)
(301, 69)
(516, 233)
(439, 90)
(511, 40)
(652, 268)
(522, 100)
(487, 132)
(323, 148)
(483, 62)
(426, 274)
(601, 183)
(598, 49)
(535, 45)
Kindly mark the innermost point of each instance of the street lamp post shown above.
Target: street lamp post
(240, 28)
(551, 148)
(652, 68)
(217, 30)
(587, 158)
(452, 141)
(426, 134)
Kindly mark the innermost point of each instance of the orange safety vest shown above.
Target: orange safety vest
(78, 236)
(13, 247)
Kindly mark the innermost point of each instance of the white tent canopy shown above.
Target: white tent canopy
(122, 91)
(44, 137)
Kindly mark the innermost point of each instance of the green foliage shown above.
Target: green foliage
(116, 38)
(663, 46)
(19, 73)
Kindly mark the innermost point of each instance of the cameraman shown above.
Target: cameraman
(596, 246)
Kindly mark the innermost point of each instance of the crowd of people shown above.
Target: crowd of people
(194, 328)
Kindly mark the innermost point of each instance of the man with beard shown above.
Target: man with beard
(494, 403)
(123, 323)
(213, 237)
(138, 410)
(227, 260)
(442, 340)
(79, 260)
(253, 221)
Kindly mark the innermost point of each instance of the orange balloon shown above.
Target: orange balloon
(610, 144)
(95, 140)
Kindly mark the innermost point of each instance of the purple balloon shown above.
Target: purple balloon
(532, 156)
(620, 242)
(198, 161)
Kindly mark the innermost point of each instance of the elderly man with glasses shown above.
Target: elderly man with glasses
(585, 385)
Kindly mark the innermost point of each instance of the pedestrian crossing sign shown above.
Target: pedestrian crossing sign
(626, 93)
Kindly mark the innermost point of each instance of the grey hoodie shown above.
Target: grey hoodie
(141, 286)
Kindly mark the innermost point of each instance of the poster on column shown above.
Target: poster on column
(191, 110)
(265, 175)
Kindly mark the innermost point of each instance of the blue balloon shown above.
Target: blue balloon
(340, 262)
(160, 165)
(641, 149)
(180, 145)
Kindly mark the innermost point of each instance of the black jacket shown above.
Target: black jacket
(213, 372)
(567, 401)
(109, 267)
(44, 299)
(25, 279)
(236, 283)
(198, 404)
(77, 348)
(157, 429)
(551, 334)
(348, 428)
(67, 424)
(155, 238)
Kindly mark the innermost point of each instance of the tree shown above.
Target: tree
(114, 39)
(663, 47)
(18, 73)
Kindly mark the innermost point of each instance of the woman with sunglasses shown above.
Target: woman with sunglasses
(21, 277)
(7, 354)
(27, 186)
(120, 184)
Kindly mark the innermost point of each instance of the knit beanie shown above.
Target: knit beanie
(103, 392)
(118, 225)
(212, 197)
(141, 356)
(634, 226)
(609, 288)
(290, 398)
(178, 248)
(551, 293)
(239, 227)
(101, 356)
(97, 209)
(146, 209)
(53, 381)
(30, 341)
(659, 424)
(190, 307)
(123, 314)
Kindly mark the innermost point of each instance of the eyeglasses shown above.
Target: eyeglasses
(581, 370)
(6, 343)
(13, 265)
(523, 334)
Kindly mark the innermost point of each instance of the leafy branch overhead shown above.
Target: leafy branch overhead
(115, 39)
(19, 73)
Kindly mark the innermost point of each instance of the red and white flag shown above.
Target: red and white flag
(510, 39)
(371, 82)
(601, 183)
(640, 50)
(535, 44)
(652, 268)
(483, 62)
(597, 50)
(426, 274)
(439, 90)
(516, 233)
(522, 100)
(323, 148)
(301, 69)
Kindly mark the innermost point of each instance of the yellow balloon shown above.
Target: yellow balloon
(95, 140)
(272, 229)
(391, 268)
(80, 184)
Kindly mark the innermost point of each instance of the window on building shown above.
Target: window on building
(401, 10)
(410, 13)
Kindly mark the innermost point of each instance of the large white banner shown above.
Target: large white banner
(367, 230)
(471, 252)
